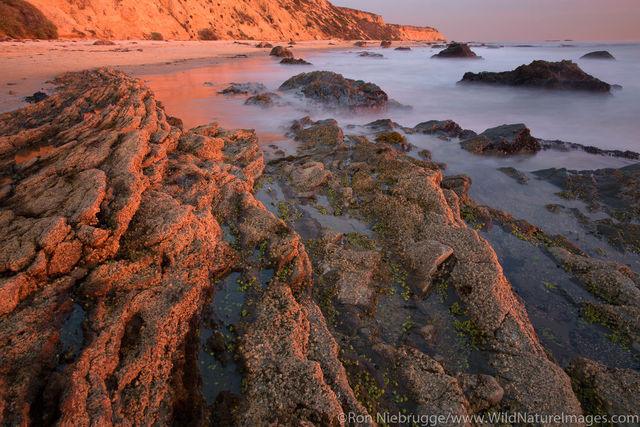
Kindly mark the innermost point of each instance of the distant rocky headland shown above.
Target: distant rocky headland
(203, 20)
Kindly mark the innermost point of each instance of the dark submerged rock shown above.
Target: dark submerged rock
(383, 125)
(294, 61)
(36, 97)
(515, 174)
(505, 139)
(614, 191)
(264, 99)
(599, 54)
(603, 389)
(103, 43)
(360, 44)
(371, 55)
(333, 89)
(566, 146)
(252, 88)
(542, 74)
(281, 52)
(264, 45)
(443, 128)
(406, 48)
(457, 50)
(385, 44)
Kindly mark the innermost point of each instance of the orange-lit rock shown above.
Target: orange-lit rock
(226, 19)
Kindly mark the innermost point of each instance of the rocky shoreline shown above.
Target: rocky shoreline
(142, 262)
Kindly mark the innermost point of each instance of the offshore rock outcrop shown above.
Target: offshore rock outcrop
(457, 50)
(111, 241)
(598, 54)
(333, 89)
(541, 74)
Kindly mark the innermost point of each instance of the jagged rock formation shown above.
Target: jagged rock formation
(541, 74)
(111, 240)
(224, 19)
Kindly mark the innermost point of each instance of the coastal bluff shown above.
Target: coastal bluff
(222, 20)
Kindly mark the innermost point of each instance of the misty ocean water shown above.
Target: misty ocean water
(429, 86)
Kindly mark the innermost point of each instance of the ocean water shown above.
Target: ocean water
(429, 86)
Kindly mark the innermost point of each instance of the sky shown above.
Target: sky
(513, 20)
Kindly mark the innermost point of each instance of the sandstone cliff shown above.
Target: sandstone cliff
(222, 19)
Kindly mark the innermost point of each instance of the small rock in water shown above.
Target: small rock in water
(385, 44)
(36, 97)
(263, 99)
(599, 54)
(515, 174)
(281, 52)
(264, 45)
(402, 48)
(505, 139)
(243, 89)
(443, 128)
(457, 50)
(103, 43)
(371, 55)
(294, 61)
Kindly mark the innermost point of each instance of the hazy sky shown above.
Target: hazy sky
(513, 20)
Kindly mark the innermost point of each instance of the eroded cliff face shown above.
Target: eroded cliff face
(223, 19)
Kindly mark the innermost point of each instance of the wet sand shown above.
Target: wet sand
(25, 67)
